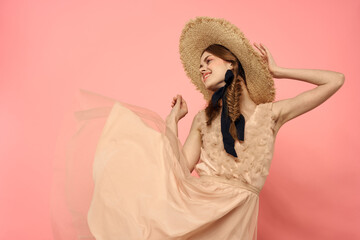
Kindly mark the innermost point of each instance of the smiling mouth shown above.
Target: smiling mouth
(206, 77)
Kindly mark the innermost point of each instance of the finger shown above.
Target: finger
(183, 100)
(260, 49)
(265, 48)
(257, 47)
(262, 46)
(177, 99)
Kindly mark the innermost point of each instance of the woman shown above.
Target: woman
(214, 64)
(143, 188)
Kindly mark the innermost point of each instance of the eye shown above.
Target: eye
(208, 60)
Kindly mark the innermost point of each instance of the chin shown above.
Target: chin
(212, 88)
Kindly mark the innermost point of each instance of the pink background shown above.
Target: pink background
(49, 49)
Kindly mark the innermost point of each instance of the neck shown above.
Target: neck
(246, 103)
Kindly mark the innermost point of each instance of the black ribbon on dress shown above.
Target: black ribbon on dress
(228, 140)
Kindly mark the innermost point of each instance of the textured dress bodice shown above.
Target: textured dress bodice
(254, 153)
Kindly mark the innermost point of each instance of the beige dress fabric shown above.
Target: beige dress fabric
(143, 190)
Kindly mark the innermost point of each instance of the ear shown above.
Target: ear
(230, 66)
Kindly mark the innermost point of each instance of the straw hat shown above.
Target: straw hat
(201, 32)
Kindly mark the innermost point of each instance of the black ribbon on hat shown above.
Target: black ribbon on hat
(228, 140)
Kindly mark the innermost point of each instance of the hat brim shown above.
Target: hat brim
(201, 32)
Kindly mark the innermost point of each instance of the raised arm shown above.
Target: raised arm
(192, 145)
(328, 82)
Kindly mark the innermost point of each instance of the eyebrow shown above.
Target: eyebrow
(205, 59)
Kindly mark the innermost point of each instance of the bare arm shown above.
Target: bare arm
(328, 82)
(192, 145)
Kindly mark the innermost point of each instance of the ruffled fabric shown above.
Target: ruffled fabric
(254, 154)
(120, 173)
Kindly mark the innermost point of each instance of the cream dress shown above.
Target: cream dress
(143, 189)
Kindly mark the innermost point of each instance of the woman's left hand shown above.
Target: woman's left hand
(266, 55)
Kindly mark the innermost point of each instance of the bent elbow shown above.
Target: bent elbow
(341, 79)
(338, 81)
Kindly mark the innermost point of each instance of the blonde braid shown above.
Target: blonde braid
(233, 103)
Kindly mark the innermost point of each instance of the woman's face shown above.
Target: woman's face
(213, 69)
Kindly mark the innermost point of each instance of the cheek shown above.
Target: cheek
(215, 64)
(216, 68)
(219, 69)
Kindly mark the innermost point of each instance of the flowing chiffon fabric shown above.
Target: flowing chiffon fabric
(120, 173)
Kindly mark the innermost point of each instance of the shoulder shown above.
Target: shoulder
(200, 114)
(269, 107)
(267, 110)
(199, 118)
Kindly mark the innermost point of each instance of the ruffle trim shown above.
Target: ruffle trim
(254, 154)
